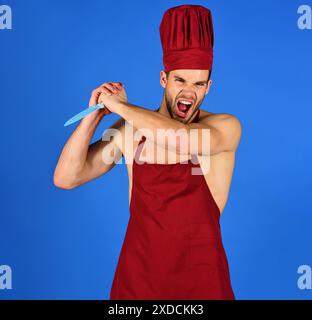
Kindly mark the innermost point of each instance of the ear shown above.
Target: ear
(208, 86)
(163, 79)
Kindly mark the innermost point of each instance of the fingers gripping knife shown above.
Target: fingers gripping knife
(83, 114)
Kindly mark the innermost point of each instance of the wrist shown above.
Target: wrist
(93, 119)
(121, 108)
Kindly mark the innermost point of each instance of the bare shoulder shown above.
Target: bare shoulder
(220, 119)
(117, 127)
(123, 133)
(205, 115)
(228, 125)
(121, 125)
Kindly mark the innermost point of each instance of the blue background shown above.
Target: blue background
(65, 244)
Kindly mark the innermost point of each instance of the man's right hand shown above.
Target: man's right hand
(81, 162)
(108, 88)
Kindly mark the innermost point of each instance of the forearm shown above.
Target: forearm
(154, 122)
(74, 154)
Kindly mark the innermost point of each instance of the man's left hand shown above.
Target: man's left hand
(114, 95)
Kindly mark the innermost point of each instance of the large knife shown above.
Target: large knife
(83, 114)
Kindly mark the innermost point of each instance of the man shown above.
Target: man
(173, 247)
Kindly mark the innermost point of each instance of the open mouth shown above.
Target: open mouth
(183, 107)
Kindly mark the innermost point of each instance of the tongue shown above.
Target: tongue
(182, 107)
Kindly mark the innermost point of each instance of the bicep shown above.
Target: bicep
(103, 154)
(102, 157)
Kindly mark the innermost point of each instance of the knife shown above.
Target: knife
(83, 114)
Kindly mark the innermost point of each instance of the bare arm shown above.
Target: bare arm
(224, 130)
(79, 161)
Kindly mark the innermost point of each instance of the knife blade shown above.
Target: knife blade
(83, 114)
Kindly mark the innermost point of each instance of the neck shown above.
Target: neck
(163, 108)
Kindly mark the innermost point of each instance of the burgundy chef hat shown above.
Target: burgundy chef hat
(187, 38)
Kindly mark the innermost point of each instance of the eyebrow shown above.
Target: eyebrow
(197, 82)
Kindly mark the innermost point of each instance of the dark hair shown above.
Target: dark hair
(210, 72)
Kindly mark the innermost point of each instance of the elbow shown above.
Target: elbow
(61, 182)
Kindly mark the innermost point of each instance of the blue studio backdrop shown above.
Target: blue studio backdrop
(64, 244)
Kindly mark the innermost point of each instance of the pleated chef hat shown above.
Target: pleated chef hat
(187, 38)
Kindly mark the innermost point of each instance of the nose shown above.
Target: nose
(188, 93)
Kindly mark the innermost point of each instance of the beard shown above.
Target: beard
(171, 105)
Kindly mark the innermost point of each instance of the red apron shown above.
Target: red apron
(172, 247)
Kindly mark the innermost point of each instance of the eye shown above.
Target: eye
(201, 84)
(180, 80)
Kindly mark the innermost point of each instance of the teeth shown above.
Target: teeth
(185, 102)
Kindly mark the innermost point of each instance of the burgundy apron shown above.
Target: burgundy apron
(172, 247)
